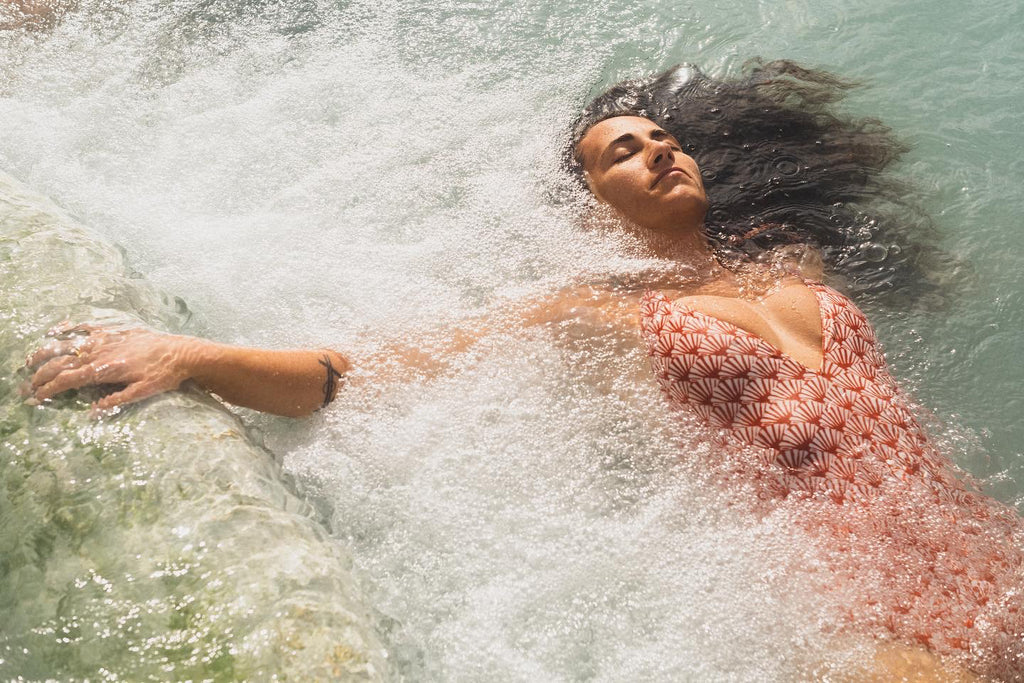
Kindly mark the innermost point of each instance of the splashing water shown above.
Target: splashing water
(340, 174)
(162, 542)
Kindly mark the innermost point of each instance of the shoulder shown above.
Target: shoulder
(598, 304)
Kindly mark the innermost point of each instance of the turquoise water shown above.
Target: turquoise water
(307, 173)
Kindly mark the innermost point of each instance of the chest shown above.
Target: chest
(789, 320)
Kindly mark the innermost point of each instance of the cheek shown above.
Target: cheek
(623, 192)
(700, 179)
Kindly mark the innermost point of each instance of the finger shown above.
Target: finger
(25, 389)
(60, 328)
(68, 327)
(67, 380)
(54, 367)
(130, 394)
(62, 347)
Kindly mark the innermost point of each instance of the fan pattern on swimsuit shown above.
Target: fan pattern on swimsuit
(949, 560)
(842, 429)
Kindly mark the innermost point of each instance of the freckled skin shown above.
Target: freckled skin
(625, 159)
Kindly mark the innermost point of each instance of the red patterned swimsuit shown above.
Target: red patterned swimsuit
(946, 561)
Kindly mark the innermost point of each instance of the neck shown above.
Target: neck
(687, 248)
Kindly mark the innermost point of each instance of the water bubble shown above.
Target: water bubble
(874, 252)
(788, 166)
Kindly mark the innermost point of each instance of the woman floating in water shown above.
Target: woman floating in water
(785, 369)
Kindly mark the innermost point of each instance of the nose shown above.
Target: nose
(660, 152)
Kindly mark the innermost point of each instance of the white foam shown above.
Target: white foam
(536, 515)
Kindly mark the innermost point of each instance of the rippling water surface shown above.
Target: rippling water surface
(342, 173)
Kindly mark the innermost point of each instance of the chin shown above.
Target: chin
(689, 211)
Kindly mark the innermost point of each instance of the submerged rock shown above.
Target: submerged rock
(160, 543)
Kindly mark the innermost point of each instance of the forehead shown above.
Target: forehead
(602, 133)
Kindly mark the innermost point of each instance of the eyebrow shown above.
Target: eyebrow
(625, 137)
(657, 133)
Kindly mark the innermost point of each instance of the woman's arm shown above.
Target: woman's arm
(290, 383)
(428, 354)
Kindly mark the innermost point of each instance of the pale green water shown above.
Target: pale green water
(311, 173)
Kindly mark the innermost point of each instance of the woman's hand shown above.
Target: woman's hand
(291, 383)
(146, 362)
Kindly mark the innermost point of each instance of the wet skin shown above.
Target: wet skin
(638, 168)
(631, 164)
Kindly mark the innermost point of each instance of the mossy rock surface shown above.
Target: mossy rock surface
(160, 543)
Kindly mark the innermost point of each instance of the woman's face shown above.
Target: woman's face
(640, 170)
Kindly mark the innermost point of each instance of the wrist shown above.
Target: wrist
(195, 357)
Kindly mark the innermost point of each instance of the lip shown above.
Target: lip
(665, 173)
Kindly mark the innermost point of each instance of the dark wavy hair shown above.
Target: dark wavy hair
(780, 168)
